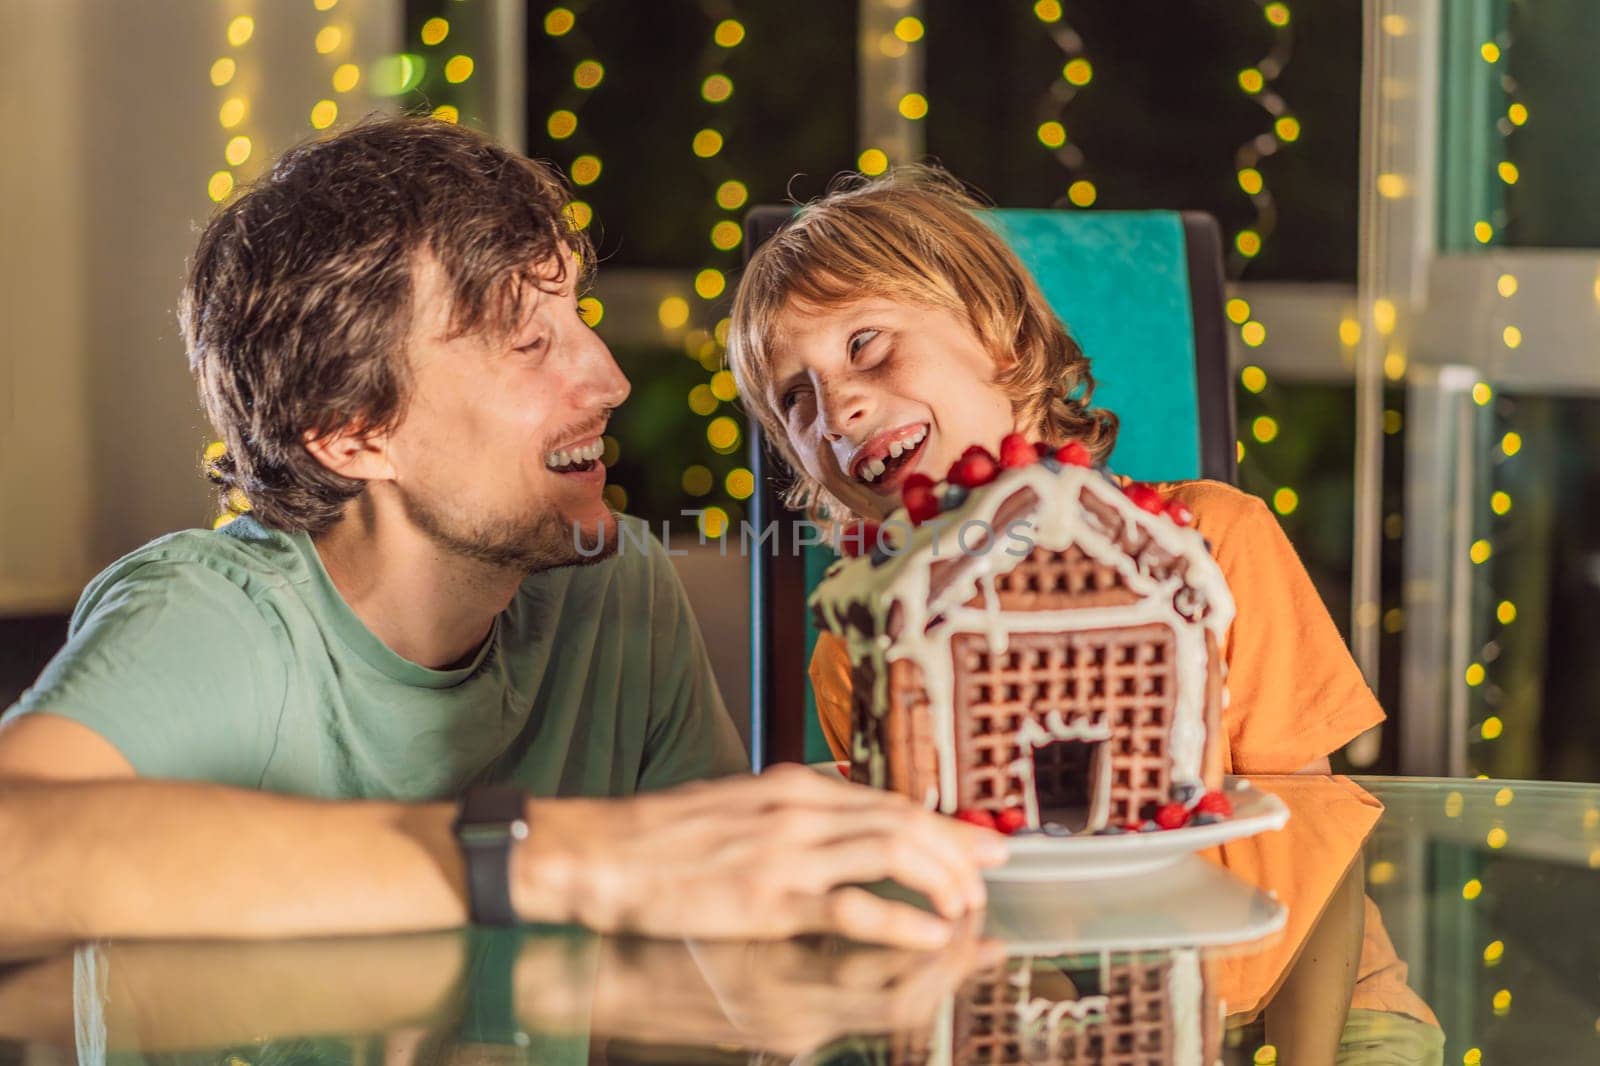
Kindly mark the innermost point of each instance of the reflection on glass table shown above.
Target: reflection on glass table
(1273, 949)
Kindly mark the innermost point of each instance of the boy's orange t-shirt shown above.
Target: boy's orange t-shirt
(1294, 693)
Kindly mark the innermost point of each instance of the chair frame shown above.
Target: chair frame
(778, 577)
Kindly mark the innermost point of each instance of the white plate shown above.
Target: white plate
(1097, 858)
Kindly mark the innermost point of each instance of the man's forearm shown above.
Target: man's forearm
(165, 859)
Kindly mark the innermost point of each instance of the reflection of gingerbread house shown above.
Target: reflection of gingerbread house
(1049, 643)
(1116, 1009)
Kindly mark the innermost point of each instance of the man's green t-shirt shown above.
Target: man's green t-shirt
(229, 656)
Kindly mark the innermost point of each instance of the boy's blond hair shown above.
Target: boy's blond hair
(912, 235)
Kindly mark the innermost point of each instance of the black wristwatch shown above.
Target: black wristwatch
(492, 819)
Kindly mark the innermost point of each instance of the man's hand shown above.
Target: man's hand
(758, 857)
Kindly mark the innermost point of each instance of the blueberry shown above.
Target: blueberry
(1056, 829)
(1052, 464)
(1185, 793)
(953, 496)
(1205, 818)
(1110, 831)
(1149, 827)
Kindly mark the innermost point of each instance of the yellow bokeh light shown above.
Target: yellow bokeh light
(580, 214)
(1511, 443)
(1239, 445)
(588, 74)
(1490, 52)
(1251, 80)
(1506, 612)
(561, 124)
(1052, 134)
(1518, 114)
(697, 480)
(1591, 818)
(1082, 194)
(238, 150)
(447, 113)
(740, 483)
(1480, 551)
(1391, 186)
(1264, 429)
(1395, 25)
(396, 74)
(1248, 242)
(214, 451)
(1394, 620)
(1472, 889)
(586, 170)
(723, 434)
(1502, 999)
(1508, 172)
(1047, 10)
(1454, 802)
(1277, 14)
(723, 387)
(323, 114)
(1253, 378)
(1079, 72)
(720, 331)
(232, 112)
(616, 497)
(328, 39)
(1250, 181)
(324, 5)
(1237, 310)
(716, 88)
(1472, 1057)
(710, 283)
(558, 22)
(1383, 316)
(892, 46)
(1394, 366)
(238, 502)
(1285, 501)
(1497, 838)
(913, 106)
(1512, 336)
(872, 162)
(241, 30)
(707, 143)
(1381, 872)
(1349, 332)
(673, 312)
(459, 69)
(1482, 393)
(713, 522)
(1492, 728)
(592, 311)
(909, 29)
(1475, 675)
(1494, 952)
(701, 401)
(435, 30)
(726, 235)
(1503, 797)
(223, 519)
(1506, 285)
(1482, 232)
(1254, 334)
(220, 185)
(729, 33)
(346, 77)
(1500, 502)
(1393, 421)
(731, 195)
(222, 71)
(1265, 1055)
(1287, 129)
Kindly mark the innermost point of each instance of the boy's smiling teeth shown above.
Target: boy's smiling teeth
(575, 457)
(870, 470)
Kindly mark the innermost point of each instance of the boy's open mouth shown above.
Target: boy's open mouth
(884, 461)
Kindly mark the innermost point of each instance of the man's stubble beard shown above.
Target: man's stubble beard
(526, 544)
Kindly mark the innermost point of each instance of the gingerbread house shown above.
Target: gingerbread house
(1042, 645)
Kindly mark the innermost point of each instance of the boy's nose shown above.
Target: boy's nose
(843, 408)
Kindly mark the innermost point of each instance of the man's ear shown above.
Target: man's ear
(354, 452)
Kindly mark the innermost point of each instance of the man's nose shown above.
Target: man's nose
(845, 405)
(607, 385)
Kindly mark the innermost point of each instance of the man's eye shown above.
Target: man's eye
(533, 347)
(860, 340)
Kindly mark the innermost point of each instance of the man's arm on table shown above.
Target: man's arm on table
(88, 850)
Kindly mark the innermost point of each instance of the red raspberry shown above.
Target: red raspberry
(1010, 820)
(1016, 451)
(975, 467)
(1145, 498)
(922, 508)
(860, 540)
(1180, 513)
(1172, 816)
(976, 817)
(915, 485)
(1214, 803)
(1073, 453)
(1042, 449)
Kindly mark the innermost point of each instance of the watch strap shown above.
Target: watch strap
(491, 819)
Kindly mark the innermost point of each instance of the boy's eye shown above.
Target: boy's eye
(790, 399)
(861, 339)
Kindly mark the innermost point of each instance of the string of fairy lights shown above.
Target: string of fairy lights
(1076, 72)
(898, 62)
(711, 398)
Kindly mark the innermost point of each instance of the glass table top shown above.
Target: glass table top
(1391, 921)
